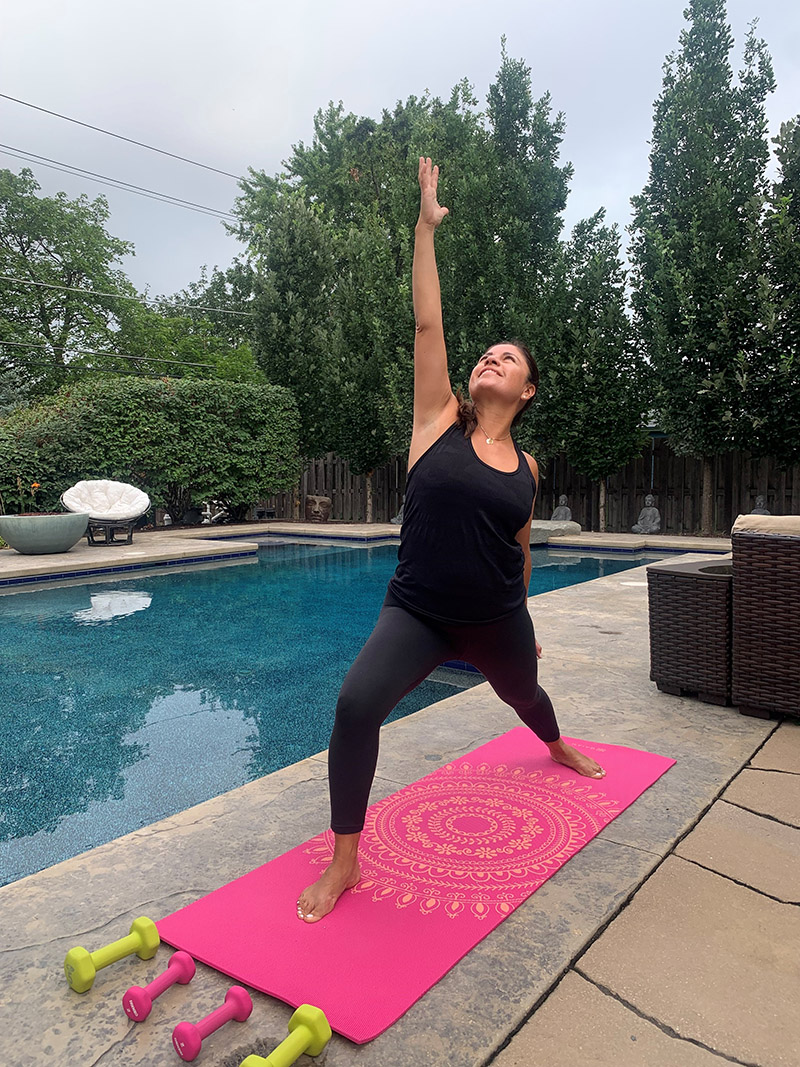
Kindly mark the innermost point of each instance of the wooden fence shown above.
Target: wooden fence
(675, 481)
(331, 477)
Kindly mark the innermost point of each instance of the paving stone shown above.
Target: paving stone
(469, 1013)
(714, 961)
(579, 1024)
(759, 852)
(782, 750)
(767, 792)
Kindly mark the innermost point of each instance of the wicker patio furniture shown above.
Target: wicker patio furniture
(766, 614)
(111, 506)
(690, 628)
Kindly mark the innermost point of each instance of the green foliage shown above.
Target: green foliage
(60, 242)
(178, 440)
(787, 150)
(189, 346)
(331, 243)
(13, 389)
(595, 394)
(73, 333)
(225, 300)
(293, 307)
(692, 231)
(769, 365)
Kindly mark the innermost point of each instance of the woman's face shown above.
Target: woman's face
(501, 372)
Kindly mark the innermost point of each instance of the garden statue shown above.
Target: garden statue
(562, 512)
(318, 508)
(761, 507)
(398, 519)
(649, 521)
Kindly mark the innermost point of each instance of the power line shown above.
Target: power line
(109, 355)
(94, 370)
(120, 137)
(120, 296)
(117, 183)
(114, 183)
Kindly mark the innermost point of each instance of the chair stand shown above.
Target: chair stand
(108, 528)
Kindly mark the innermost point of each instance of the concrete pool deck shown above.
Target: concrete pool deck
(671, 938)
(175, 545)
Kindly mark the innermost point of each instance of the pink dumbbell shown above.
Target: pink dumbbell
(188, 1037)
(138, 1001)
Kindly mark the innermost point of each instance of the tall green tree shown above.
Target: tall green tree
(49, 248)
(770, 364)
(292, 253)
(368, 309)
(167, 343)
(331, 243)
(598, 391)
(223, 300)
(690, 233)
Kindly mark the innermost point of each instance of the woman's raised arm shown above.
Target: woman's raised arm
(432, 389)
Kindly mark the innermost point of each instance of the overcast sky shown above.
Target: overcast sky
(237, 84)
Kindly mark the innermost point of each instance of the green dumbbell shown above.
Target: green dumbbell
(81, 966)
(309, 1032)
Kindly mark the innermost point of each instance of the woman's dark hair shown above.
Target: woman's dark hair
(466, 408)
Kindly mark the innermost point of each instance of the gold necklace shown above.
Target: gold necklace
(491, 440)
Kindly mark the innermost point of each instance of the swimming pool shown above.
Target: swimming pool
(130, 698)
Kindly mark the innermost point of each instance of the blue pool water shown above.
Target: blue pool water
(127, 699)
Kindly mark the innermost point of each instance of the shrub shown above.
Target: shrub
(178, 439)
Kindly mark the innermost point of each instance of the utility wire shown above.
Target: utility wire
(119, 296)
(109, 355)
(119, 137)
(97, 370)
(114, 183)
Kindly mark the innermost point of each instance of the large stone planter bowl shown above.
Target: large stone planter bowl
(36, 535)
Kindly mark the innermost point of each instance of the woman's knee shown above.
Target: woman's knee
(357, 711)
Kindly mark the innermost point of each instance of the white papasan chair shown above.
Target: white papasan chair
(110, 505)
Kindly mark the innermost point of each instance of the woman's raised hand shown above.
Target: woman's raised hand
(430, 212)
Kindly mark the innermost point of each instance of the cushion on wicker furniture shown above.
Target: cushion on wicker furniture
(106, 501)
(788, 525)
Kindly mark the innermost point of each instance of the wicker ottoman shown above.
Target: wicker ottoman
(766, 615)
(690, 628)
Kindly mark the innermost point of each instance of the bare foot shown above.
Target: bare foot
(320, 898)
(571, 757)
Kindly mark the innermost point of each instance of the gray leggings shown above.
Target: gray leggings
(400, 653)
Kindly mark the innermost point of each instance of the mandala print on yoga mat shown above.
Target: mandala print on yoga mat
(474, 839)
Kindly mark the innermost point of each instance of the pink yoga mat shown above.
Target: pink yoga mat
(443, 862)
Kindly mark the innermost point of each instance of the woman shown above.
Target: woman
(460, 588)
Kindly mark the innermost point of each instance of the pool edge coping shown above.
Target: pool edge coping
(249, 539)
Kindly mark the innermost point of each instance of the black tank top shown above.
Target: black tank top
(458, 559)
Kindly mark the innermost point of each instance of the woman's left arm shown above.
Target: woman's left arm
(524, 536)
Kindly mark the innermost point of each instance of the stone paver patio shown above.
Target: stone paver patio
(670, 939)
